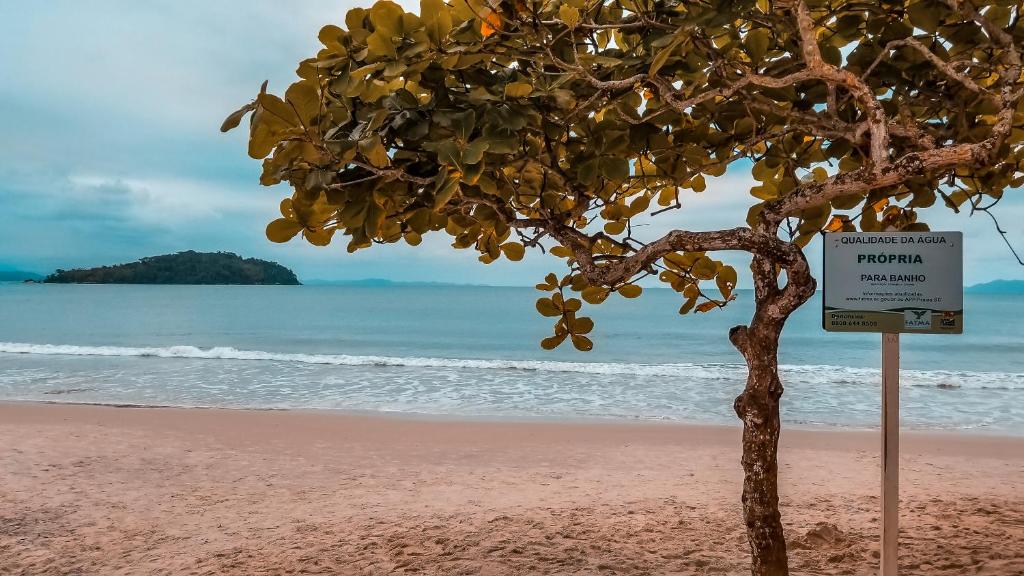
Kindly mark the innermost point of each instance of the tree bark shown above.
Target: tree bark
(758, 405)
(758, 408)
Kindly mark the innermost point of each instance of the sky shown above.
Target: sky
(110, 149)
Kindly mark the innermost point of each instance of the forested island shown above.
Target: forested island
(182, 268)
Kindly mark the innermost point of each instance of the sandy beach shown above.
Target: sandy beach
(104, 490)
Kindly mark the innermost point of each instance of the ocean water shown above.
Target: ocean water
(473, 351)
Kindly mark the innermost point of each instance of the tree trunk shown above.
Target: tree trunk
(758, 407)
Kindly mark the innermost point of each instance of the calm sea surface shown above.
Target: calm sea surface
(473, 351)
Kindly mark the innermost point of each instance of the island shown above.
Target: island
(188, 267)
(386, 283)
(998, 287)
(18, 276)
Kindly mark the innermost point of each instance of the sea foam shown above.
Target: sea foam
(794, 374)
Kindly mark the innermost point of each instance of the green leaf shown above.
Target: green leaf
(956, 199)
(552, 342)
(582, 325)
(688, 305)
(277, 110)
(663, 55)
(501, 144)
(446, 185)
(329, 36)
(318, 237)
(514, 251)
(437, 18)
(594, 294)
(923, 198)
(831, 54)
(550, 283)
(373, 149)
(380, 46)
(754, 214)
(615, 227)
(803, 239)
(471, 172)
(756, 43)
(448, 153)
(726, 280)
(412, 238)
(847, 201)
(766, 191)
(518, 89)
(925, 15)
(304, 97)
(474, 151)
(265, 133)
(707, 306)
(586, 171)
(569, 15)
(387, 18)
(286, 208)
(463, 124)
(283, 230)
(582, 343)
(547, 307)
(614, 168)
(354, 18)
(704, 268)
(235, 118)
(630, 291)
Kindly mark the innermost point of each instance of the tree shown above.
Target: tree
(559, 125)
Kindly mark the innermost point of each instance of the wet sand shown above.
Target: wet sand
(104, 490)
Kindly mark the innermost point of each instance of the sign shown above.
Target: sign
(894, 282)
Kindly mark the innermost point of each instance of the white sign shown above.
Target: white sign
(894, 282)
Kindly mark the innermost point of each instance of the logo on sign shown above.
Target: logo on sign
(948, 320)
(917, 319)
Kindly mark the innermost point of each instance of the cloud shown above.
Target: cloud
(111, 149)
(104, 201)
(164, 202)
(110, 112)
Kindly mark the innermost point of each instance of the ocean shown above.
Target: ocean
(474, 352)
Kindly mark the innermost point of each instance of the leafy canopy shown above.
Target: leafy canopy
(564, 124)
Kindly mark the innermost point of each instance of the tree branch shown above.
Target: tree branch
(940, 64)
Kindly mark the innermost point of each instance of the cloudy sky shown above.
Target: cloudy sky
(110, 149)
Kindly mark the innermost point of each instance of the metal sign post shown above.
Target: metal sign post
(893, 282)
(890, 451)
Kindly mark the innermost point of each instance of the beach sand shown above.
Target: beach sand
(103, 490)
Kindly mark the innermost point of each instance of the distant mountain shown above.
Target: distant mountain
(182, 268)
(998, 287)
(363, 282)
(18, 276)
(378, 282)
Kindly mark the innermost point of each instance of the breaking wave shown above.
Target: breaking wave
(792, 374)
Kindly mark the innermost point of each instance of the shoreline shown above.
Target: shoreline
(966, 442)
(977, 431)
(92, 489)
